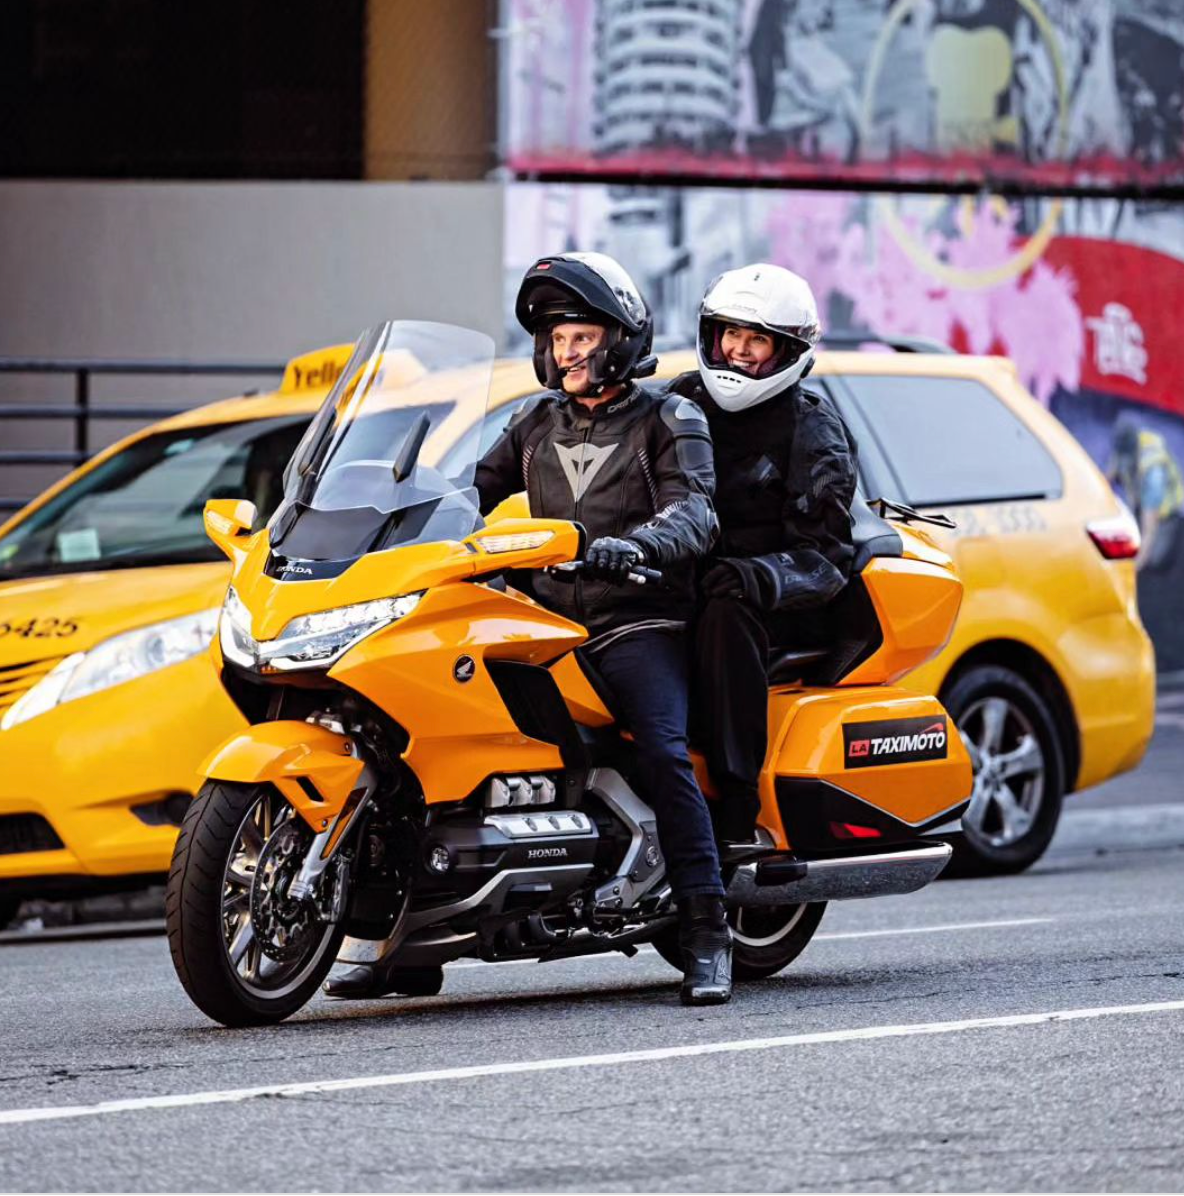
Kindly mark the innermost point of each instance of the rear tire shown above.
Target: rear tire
(1018, 794)
(198, 888)
(765, 940)
(9, 907)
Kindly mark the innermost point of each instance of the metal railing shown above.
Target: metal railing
(83, 410)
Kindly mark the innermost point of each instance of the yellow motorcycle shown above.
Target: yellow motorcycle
(431, 771)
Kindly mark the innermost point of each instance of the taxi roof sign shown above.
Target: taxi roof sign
(317, 370)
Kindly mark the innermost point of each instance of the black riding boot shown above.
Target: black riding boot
(706, 943)
(368, 981)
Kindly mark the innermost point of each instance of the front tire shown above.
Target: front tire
(765, 940)
(215, 906)
(9, 907)
(1019, 772)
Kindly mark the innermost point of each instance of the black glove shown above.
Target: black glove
(734, 577)
(609, 559)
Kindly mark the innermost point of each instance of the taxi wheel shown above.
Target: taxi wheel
(1019, 772)
(8, 910)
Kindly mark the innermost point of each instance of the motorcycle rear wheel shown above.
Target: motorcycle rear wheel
(218, 897)
(765, 940)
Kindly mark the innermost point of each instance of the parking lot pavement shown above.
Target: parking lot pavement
(1019, 1033)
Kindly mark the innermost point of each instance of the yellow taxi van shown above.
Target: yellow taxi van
(110, 593)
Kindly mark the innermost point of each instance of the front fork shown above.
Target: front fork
(325, 851)
(320, 771)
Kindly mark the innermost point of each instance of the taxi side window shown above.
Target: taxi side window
(951, 441)
(482, 434)
(262, 478)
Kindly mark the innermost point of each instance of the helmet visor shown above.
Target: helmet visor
(788, 346)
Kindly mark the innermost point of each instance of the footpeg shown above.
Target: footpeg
(731, 853)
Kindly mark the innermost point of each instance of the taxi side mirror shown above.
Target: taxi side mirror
(228, 521)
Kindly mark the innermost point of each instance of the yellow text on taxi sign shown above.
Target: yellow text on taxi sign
(315, 371)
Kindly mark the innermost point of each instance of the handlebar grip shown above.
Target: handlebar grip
(640, 575)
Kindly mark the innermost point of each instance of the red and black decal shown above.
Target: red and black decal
(895, 741)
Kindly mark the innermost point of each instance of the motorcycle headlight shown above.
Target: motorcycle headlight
(121, 658)
(313, 641)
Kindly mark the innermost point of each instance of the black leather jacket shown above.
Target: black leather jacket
(785, 481)
(638, 467)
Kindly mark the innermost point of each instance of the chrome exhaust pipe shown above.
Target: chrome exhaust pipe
(884, 874)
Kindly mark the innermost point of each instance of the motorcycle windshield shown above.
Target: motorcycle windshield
(365, 476)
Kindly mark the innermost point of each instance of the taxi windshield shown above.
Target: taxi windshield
(364, 477)
(143, 505)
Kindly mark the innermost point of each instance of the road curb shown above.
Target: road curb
(93, 932)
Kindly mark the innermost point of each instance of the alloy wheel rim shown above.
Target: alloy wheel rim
(765, 927)
(1009, 772)
(260, 861)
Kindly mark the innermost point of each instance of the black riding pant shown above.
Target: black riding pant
(730, 700)
(646, 675)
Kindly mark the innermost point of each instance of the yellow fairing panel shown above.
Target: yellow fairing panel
(917, 603)
(283, 754)
(582, 701)
(406, 569)
(807, 739)
(460, 730)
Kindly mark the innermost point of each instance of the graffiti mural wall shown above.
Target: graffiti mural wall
(1084, 296)
(1045, 92)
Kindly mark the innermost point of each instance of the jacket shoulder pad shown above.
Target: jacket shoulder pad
(528, 407)
(683, 416)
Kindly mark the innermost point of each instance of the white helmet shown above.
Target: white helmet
(757, 296)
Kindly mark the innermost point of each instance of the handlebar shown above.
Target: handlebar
(639, 575)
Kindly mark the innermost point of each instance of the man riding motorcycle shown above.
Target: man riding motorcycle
(634, 468)
(785, 479)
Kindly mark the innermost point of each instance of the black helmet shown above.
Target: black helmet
(589, 288)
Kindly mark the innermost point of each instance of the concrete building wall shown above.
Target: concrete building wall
(239, 271)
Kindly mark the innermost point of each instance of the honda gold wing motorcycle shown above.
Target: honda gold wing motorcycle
(430, 770)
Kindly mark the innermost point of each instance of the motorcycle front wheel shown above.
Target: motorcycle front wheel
(765, 939)
(245, 952)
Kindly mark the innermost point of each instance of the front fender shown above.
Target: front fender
(313, 768)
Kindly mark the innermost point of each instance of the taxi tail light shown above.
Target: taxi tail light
(1116, 539)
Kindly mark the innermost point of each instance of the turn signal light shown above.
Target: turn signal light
(1116, 539)
(517, 542)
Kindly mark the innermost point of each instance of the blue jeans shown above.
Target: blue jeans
(646, 675)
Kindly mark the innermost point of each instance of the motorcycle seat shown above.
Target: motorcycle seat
(788, 666)
(871, 535)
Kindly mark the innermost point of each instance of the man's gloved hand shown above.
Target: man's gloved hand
(610, 559)
(734, 577)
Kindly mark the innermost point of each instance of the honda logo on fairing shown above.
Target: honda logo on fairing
(547, 853)
(894, 741)
(296, 569)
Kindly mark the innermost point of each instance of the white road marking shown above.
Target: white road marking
(875, 934)
(818, 938)
(1170, 720)
(616, 1059)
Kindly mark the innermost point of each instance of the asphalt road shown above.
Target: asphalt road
(1011, 1034)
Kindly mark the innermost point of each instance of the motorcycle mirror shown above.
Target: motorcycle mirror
(409, 452)
(229, 520)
